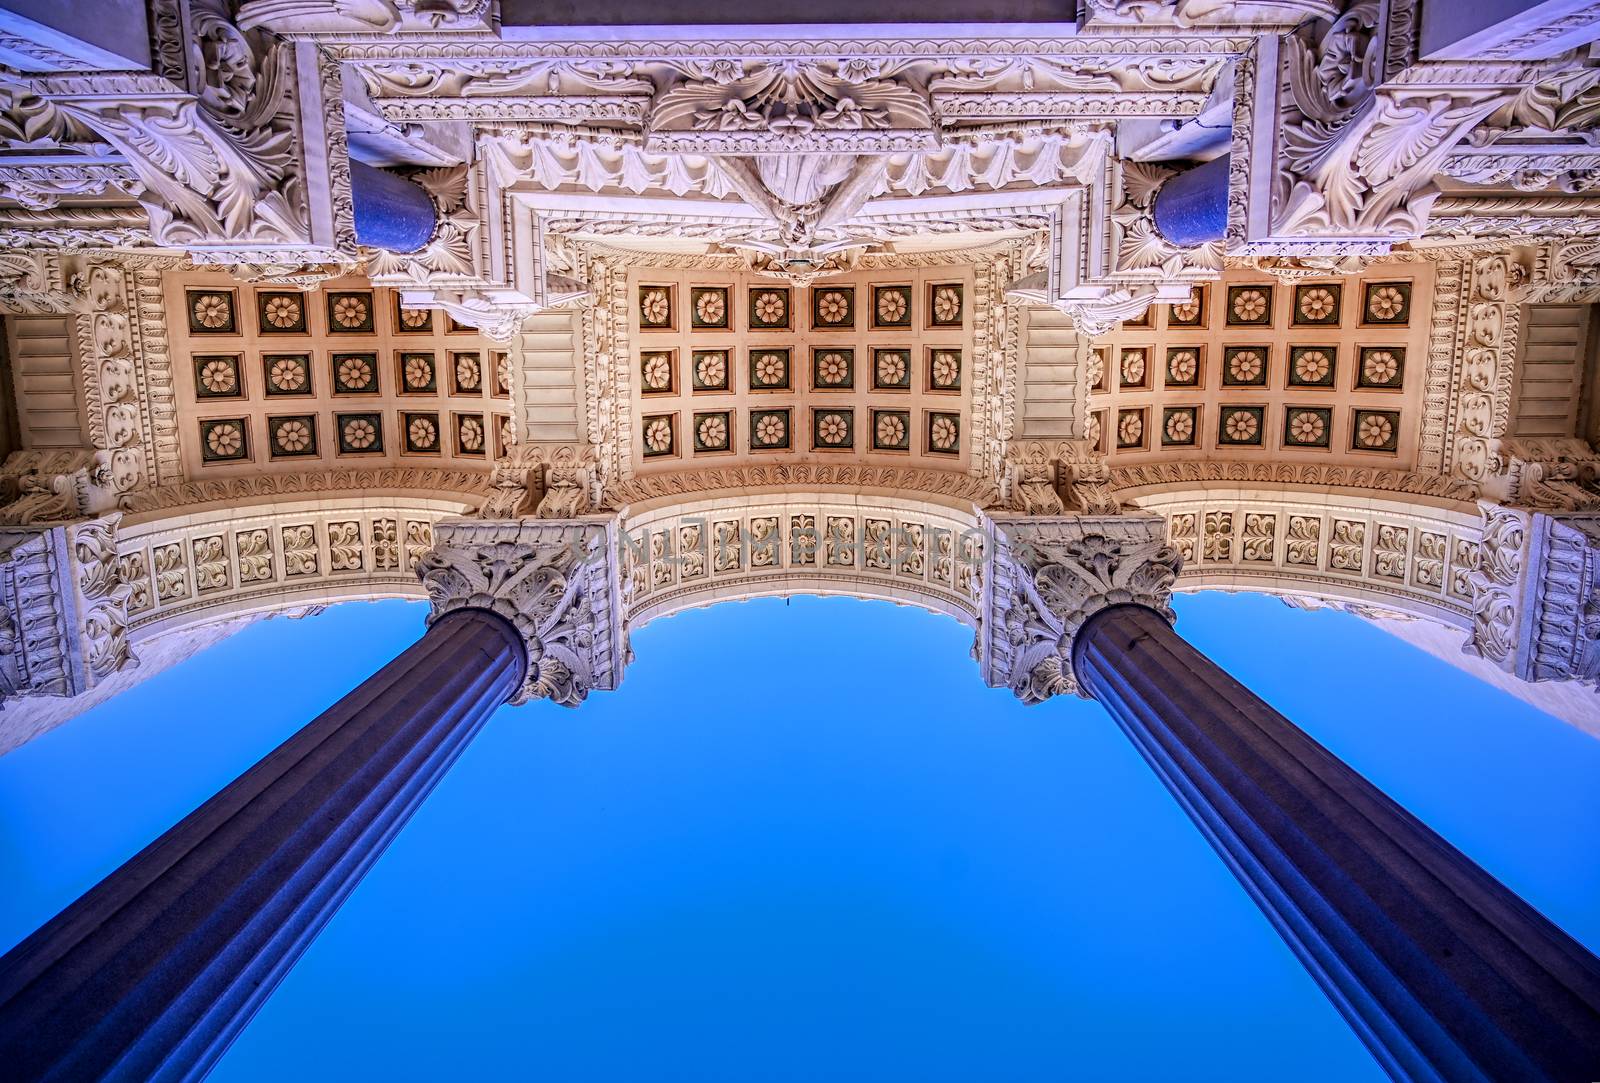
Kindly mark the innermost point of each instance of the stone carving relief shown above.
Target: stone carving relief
(542, 482)
(1049, 576)
(1535, 612)
(1105, 15)
(899, 549)
(291, 17)
(63, 609)
(556, 582)
(1407, 558)
(1057, 478)
(217, 155)
(1358, 142)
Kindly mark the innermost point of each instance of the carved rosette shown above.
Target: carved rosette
(1535, 610)
(555, 581)
(63, 609)
(1049, 576)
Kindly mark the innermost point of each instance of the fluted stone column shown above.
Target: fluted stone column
(153, 972)
(1442, 971)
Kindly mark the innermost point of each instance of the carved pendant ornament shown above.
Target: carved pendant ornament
(556, 582)
(1050, 576)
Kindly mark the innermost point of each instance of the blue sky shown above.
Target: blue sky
(804, 842)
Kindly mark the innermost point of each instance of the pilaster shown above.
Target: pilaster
(554, 580)
(1049, 576)
(1536, 594)
(63, 608)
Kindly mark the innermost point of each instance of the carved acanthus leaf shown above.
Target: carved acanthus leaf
(1049, 577)
(554, 581)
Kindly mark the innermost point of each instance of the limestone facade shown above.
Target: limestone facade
(820, 309)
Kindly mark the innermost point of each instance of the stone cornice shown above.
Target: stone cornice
(470, 486)
(1128, 480)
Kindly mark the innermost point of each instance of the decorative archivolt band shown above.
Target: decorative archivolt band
(1401, 556)
(893, 549)
(194, 569)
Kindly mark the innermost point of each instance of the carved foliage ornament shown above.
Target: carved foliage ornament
(63, 609)
(1357, 155)
(1536, 611)
(554, 581)
(220, 170)
(726, 106)
(1049, 577)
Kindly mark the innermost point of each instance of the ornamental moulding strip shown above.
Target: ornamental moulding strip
(567, 45)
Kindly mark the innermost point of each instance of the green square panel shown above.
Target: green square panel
(1241, 426)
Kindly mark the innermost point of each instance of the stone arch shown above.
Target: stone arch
(683, 553)
(197, 572)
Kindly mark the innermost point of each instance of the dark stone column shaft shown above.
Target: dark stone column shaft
(391, 212)
(1191, 208)
(1441, 970)
(155, 970)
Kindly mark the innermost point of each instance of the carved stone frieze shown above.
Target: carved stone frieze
(1048, 576)
(316, 17)
(555, 581)
(1536, 610)
(1124, 478)
(1101, 16)
(63, 608)
(916, 480)
(735, 107)
(466, 485)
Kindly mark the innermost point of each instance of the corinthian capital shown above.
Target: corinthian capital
(1536, 594)
(63, 608)
(554, 580)
(1049, 577)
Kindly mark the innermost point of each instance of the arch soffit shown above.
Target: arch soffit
(919, 550)
(192, 567)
